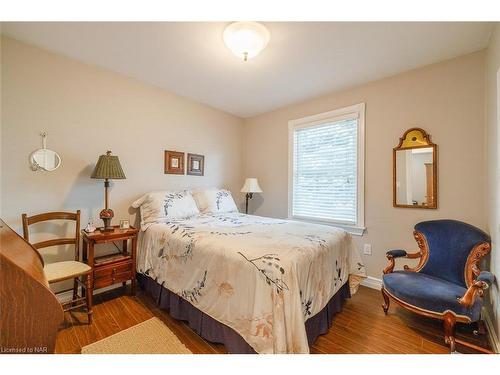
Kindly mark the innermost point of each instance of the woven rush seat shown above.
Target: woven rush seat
(64, 270)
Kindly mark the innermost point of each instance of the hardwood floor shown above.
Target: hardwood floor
(361, 327)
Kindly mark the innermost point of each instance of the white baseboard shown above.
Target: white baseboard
(372, 282)
(68, 295)
(492, 335)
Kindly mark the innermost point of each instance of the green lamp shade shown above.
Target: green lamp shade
(108, 167)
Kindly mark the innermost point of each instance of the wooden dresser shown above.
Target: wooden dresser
(30, 313)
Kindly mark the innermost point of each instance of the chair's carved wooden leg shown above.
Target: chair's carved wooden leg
(449, 330)
(75, 290)
(88, 296)
(385, 305)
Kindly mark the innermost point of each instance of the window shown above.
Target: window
(326, 168)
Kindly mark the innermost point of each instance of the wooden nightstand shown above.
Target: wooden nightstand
(114, 268)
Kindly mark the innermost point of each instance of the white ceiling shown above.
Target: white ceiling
(302, 60)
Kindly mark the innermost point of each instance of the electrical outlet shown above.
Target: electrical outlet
(367, 249)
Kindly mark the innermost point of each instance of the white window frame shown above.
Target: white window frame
(340, 114)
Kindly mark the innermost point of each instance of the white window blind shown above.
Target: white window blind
(325, 169)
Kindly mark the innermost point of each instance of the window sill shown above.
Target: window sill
(352, 229)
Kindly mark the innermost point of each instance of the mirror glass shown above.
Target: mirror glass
(415, 177)
(45, 159)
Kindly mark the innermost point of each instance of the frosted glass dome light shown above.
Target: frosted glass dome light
(246, 39)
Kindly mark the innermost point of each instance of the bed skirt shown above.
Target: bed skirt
(214, 331)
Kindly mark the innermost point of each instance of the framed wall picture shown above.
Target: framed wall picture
(174, 162)
(195, 164)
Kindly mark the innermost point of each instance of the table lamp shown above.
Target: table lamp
(108, 168)
(251, 186)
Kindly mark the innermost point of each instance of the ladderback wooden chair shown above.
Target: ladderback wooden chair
(65, 270)
(447, 283)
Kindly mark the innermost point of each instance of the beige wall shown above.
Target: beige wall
(446, 99)
(493, 179)
(87, 110)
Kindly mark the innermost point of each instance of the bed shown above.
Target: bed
(262, 281)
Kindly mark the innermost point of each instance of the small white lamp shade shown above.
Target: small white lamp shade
(251, 186)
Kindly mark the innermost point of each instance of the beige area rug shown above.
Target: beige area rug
(148, 337)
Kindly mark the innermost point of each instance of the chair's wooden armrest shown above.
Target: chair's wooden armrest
(469, 297)
(414, 255)
(393, 254)
(483, 281)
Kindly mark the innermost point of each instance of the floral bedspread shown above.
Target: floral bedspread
(262, 277)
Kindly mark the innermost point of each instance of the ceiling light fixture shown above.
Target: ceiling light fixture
(246, 39)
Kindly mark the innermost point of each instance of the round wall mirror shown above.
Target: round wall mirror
(45, 159)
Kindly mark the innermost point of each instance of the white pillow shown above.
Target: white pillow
(162, 206)
(214, 200)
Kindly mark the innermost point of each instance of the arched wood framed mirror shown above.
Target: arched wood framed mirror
(415, 171)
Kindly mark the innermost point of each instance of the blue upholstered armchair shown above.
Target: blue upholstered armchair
(447, 282)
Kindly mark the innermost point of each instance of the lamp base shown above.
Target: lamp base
(247, 196)
(106, 215)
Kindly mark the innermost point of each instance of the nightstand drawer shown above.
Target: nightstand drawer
(113, 273)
